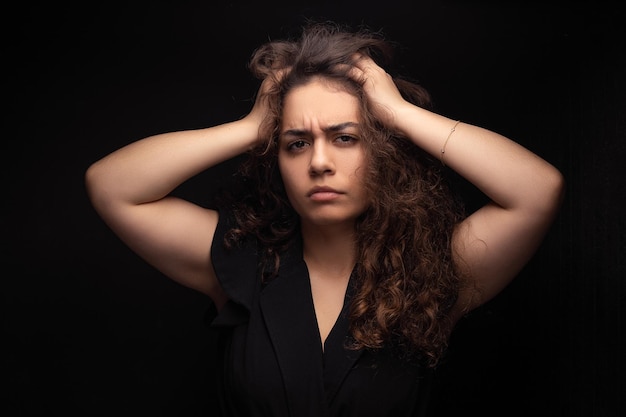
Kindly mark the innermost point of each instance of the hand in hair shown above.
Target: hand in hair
(381, 90)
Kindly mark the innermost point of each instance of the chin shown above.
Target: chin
(329, 220)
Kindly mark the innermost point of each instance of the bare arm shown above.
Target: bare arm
(495, 242)
(130, 190)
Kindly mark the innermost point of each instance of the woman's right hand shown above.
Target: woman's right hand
(261, 102)
(261, 108)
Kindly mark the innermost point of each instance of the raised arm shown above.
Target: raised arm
(495, 242)
(130, 190)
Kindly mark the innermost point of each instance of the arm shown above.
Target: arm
(130, 190)
(495, 242)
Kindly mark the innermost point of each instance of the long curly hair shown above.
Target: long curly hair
(406, 278)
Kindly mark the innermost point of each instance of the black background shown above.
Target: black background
(90, 330)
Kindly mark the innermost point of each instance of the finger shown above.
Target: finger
(365, 63)
(357, 74)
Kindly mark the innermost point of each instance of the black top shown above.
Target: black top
(273, 362)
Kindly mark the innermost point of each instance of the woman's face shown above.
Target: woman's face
(321, 156)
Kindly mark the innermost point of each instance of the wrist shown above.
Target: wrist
(405, 117)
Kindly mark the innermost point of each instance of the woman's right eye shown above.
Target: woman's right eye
(296, 145)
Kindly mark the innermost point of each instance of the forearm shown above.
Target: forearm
(510, 175)
(149, 169)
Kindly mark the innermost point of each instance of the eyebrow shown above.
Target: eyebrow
(332, 128)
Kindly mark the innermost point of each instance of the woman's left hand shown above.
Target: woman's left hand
(380, 89)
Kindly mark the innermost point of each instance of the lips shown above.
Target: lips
(323, 193)
(316, 190)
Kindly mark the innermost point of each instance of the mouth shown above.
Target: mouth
(323, 194)
(316, 190)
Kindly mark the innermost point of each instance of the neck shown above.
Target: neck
(332, 249)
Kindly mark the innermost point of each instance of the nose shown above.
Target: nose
(321, 158)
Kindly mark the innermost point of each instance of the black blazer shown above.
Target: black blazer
(272, 358)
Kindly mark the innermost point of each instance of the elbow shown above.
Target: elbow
(553, 193)
(94, 185)
(91, 180)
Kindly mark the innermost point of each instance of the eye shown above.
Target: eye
(345, 139)
(297, 145)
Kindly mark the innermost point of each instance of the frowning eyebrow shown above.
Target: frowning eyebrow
(328, 129)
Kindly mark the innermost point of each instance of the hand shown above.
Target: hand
(380, 89)
(261, 108)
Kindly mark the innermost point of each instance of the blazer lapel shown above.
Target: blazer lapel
(339, 360)
(287, 307)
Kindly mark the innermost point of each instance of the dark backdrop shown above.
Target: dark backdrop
(90, 330)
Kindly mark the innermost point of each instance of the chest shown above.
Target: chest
(328, 297)
(276, 363)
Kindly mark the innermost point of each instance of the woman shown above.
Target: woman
(340, 268)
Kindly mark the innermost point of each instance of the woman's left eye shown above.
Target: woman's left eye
(345, 139)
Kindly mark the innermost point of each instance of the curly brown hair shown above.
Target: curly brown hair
(406, 278)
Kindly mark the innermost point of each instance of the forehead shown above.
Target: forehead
(318, 103)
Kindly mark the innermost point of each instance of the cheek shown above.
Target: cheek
(288, 173)
(361, 177)
(283, 167)
(359, 171)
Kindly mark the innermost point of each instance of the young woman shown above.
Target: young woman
(341, 266)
